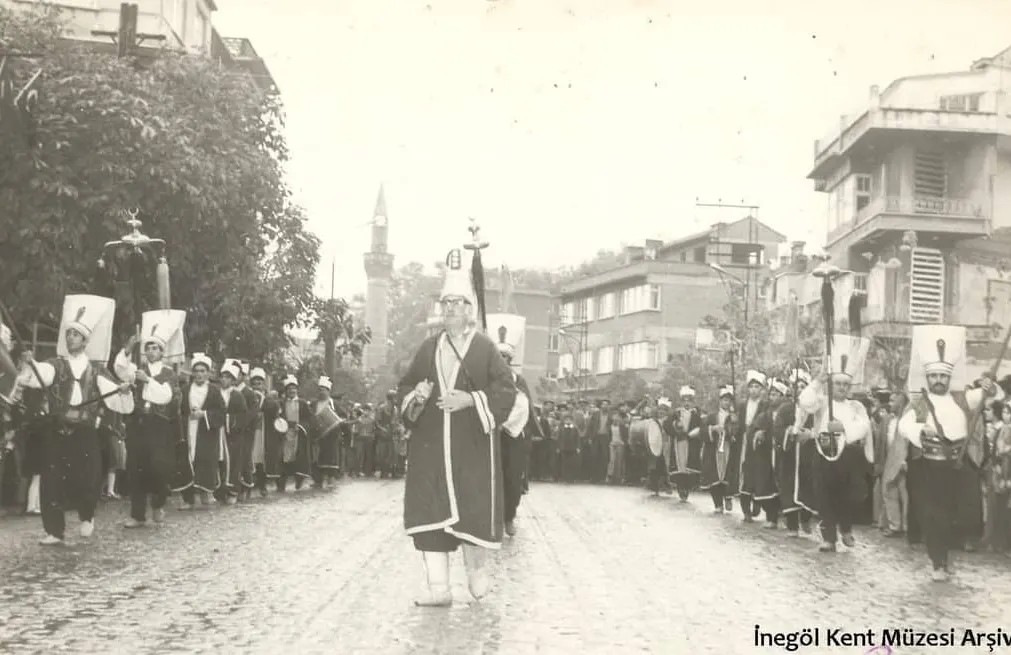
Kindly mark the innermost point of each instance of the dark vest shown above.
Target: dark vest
(63, 382)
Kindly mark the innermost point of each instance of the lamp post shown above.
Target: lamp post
(133, 252)
(724, 275)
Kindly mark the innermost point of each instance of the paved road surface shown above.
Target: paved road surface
(593, 570)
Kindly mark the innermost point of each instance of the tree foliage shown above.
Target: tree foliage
(412, 290)
(773, 342)
(624, 386)
(343, 342)
(198, 150)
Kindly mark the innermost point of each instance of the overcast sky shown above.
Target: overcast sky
(569, 126)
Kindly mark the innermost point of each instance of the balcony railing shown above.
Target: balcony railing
(955, 207)
(912, 206)
(852, 128)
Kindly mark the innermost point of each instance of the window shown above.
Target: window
(605, 359)
(700, 255)
(639, 298)
(966, 102)
(605, 306)
(749, 254)
(638, 355)
(926, 286)
(684, 256)
(863, 191)
(585, 361)
(564, 365)
(553, 342)
(929, 175)
(573, 311)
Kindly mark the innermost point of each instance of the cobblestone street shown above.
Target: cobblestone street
(593, 569)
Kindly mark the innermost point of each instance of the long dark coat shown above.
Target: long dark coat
(454, 471)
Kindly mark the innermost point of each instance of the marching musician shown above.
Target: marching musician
(327, 435)
(293, 431)
(258, 453)
(684, 428)
(247, 435)
(232, 432)
(748, 411)
(760, 472)
(720, 429)
(203, 409)
(840, 432)
(152, 428)
(940, 428)
(77, 388)
(515, 436)
(790, 456)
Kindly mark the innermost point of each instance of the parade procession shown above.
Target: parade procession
(505, 327)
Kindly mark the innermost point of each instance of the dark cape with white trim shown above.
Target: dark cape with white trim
(454, 471)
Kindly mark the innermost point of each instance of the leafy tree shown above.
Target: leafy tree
(412, 290)
(198, 150)
(337, 332)
(625, 385)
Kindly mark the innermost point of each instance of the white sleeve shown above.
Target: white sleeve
(518, 415)
(46, 371)
(976, 397)
(909, 429)
(124, 369)
(157, 393)
(121, 403)
(812, 399)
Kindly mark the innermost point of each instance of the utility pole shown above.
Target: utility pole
(126, 38)
(752, 217)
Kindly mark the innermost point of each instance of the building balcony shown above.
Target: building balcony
(829, 152)
(956, 216)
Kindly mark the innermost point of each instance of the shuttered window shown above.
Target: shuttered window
(926, 289)
(929, 175)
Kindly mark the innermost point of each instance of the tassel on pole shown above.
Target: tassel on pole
(164, 288)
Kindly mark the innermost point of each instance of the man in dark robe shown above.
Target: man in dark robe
(456, 393)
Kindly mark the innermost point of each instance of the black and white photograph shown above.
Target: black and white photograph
(505, 327)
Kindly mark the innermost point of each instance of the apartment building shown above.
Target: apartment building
(919, 204)
(637, 316)
(538, 307)
(185, 25)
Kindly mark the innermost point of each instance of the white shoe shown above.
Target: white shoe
(939, 575)
(129, 523)
(437, 577)
(477, 576)
(87, 528)
(158, 515)
(50, 540)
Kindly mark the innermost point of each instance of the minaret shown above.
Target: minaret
(378, 270)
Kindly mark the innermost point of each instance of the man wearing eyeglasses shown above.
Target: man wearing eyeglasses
(457, 391)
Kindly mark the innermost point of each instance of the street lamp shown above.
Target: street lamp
(133, 250)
